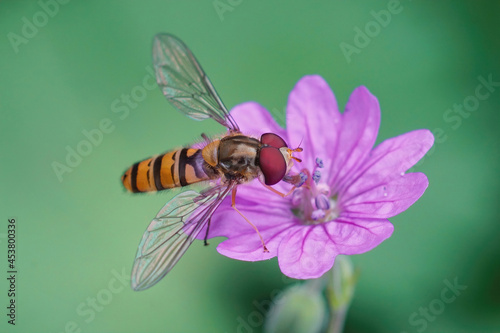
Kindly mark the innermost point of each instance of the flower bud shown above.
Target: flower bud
(298, 309)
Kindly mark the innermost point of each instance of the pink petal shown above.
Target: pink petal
(308, 252)
(254, 120)
(360, 124)
(227, 222)
(358, 235)
(243, 242)
(389, 199)
(247, 245)
(313, 121)
(387, 161)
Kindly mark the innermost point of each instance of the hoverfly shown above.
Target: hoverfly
(224, 163)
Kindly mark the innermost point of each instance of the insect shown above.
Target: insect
(223, 163)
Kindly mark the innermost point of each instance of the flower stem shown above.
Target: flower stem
(341, 282)
(337, 319)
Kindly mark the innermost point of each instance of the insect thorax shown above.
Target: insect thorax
(237, 157)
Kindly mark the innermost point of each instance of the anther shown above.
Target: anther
(303, 179)
(297, 180)
(316, 176)
(319, 162)
(322, 202)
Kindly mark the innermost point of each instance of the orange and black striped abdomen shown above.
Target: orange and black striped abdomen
(173, 169)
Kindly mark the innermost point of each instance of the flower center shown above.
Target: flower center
(312, 202)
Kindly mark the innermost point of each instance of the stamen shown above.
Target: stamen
(319, 162)
(297, 197)
(322, 202)
(318, 214)
(297, 180)
(313, 202)
(303, 178)
(316, 176)
(323, 189)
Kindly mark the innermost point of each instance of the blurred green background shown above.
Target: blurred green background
(64, 68)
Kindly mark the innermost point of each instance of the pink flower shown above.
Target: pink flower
(351, 190)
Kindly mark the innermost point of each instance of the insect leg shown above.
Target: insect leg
(278, 192)
(206, 234)
(233, 205)
(206, 138)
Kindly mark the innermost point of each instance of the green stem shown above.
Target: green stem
(341, 282)
(337, 319)
(316, 285)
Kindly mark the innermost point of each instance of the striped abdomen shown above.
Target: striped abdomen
(173, 169)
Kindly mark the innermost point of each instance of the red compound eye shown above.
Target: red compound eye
(273, 140)
(273, 164)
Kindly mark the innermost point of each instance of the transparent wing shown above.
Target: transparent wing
(185, 84)
(171, 233)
